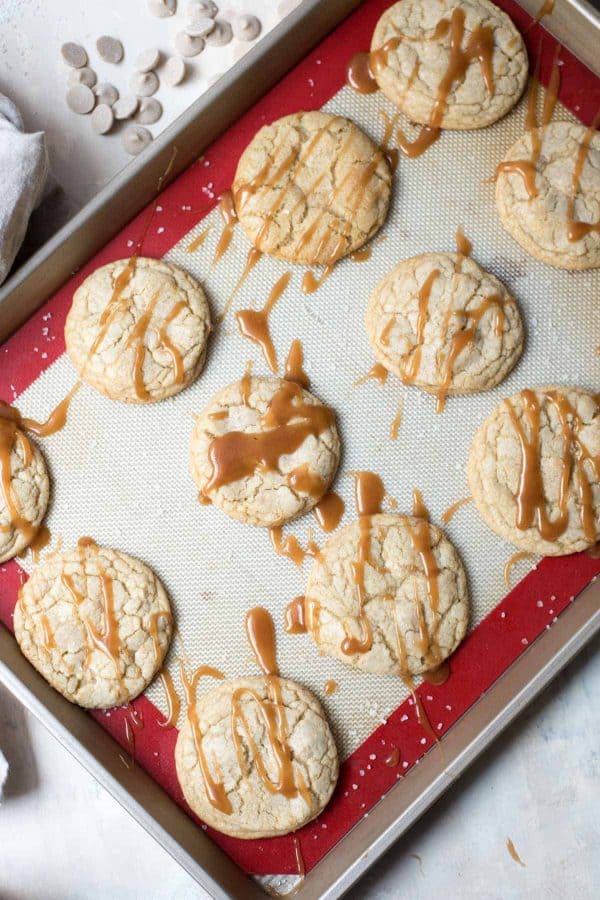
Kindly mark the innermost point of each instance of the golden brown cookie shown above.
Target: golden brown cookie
(311, 188)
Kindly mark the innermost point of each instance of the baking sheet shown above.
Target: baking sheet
(120, 473)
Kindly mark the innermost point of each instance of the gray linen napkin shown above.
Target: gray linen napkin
(23, 172)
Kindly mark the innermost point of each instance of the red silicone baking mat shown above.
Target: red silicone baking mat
(498, 639)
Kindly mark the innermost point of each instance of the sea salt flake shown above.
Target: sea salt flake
(354, 787)
(540, 603)
(524, 641)
(372, 756)
(423, 741)
(404, 718)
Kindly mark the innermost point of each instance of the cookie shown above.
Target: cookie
(407, 613)
(95, 623)
(264, 451)
(534, 470)
(414, 63)
(311, 188)
(441, 322)
(246, 762)
(24, 490)
(137, 330)
(549, 199)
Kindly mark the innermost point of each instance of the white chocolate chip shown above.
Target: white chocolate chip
(125, 107)
(200, 27)
(162, 8)
(246, 28)
(198, 9)
(110, 49)
(144, 84)
(106, 93)
(220, 35)
(174, 71)
(80, 99)
(149, 112)
(74, 55)
(148, 60)
(102, 118)
(85, 75)
(135, 139)
(187, 45)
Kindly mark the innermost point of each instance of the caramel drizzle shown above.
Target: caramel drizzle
(295, 616)
(9, 437)
(378, 373)
(215, 790)
(527, 168)
(531, 497)
(254, 324)
(251, 259)
(310, 283)
(480, 47)
(329, 511)
(55, 421)
(511, 563)
(172, 698)
(290, 546)
(198, 241)
(294, 365)
(261, 637)
(411, 362)
(463, 244)
(446, 516)
(546, 9)
(577, 230)
(236, 454)
(229, 216)
(115, 305)
(359, 74)
(396, 422)
(369, 494)
(152, 626)
(509, 844)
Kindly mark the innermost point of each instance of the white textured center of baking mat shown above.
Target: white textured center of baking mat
(120, 473)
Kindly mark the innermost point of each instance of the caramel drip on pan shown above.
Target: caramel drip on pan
(463, 244)
(229, 216)
(254, 324)
(546, 9)
(214, 788)
(439, 675)
(291, 548)
(480, 47)
(329, 511)
(294, 363)
(198, 241)
(331, 686)
(527, 168)
(55, 421)
(531, 497)
(378, 373)
(393, 759)
(172, 698)
(288, 421)
(419, 510)
(251, 259)
(359, 74)
(449, 514)
(40, 542)
(369, 495)
(260, 633)
(511, 563)
(295, 616)
(396, 423)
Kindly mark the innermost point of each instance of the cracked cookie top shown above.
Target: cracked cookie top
(264, 450)
(95, 623)
(137, 330)
(311, 188)
(441, 322)
(24, 490)
(409, 610)
(448, 64)
(548, 194)
(534, 470)
(232, 748)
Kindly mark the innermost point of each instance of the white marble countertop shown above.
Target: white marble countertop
(61, 835)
